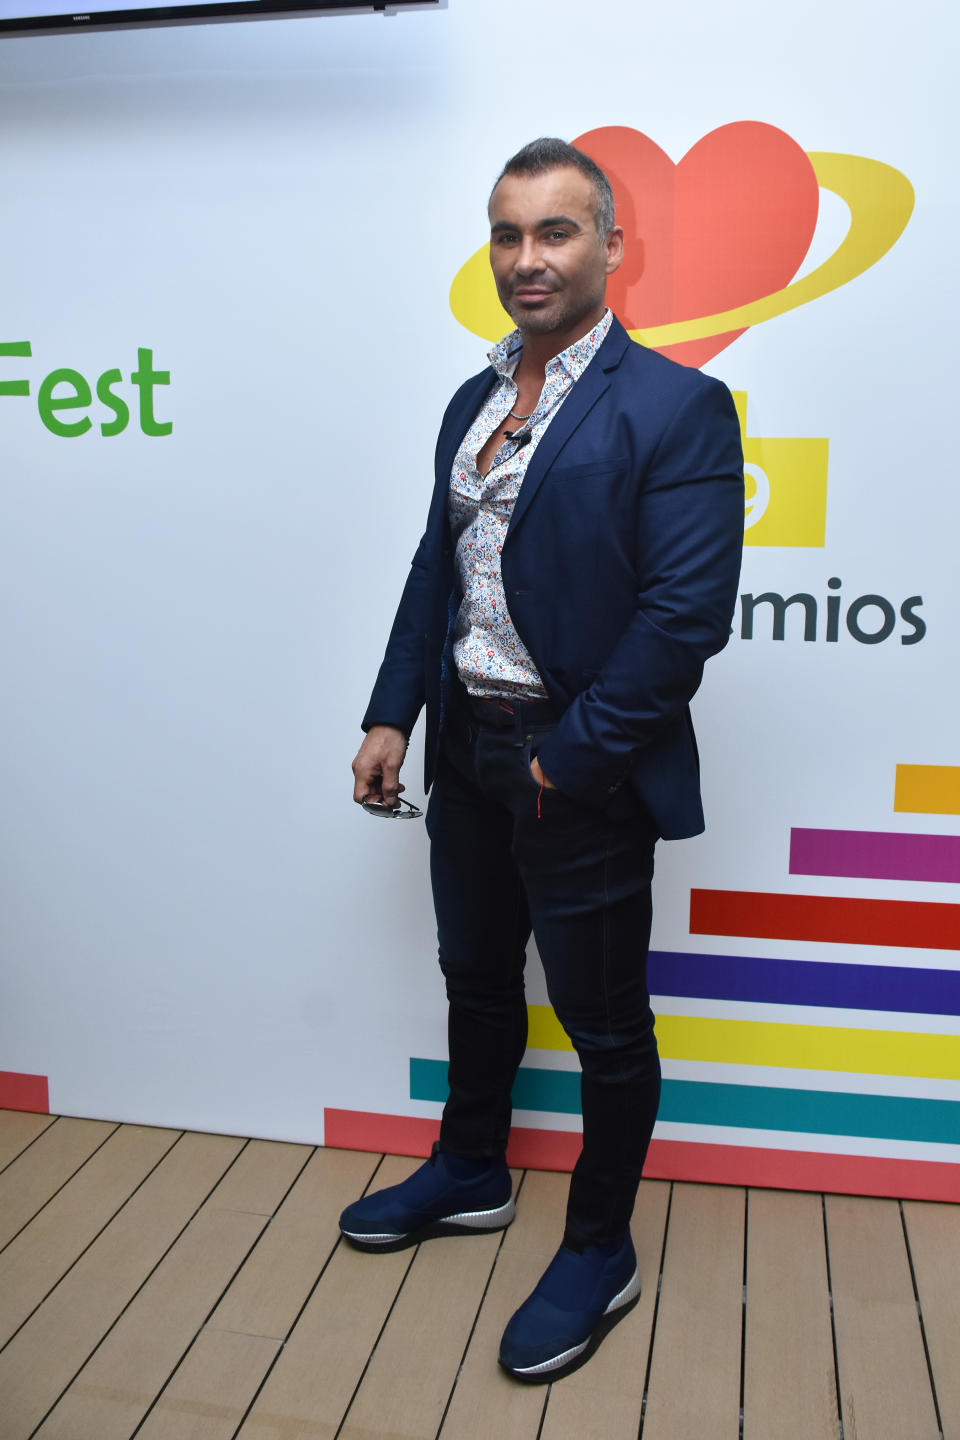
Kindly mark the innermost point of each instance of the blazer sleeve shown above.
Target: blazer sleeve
(689, 541)
(416, 639)
(399, 692)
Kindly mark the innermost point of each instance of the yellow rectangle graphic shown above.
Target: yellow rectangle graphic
(786, 492)
(785, 485)
(927, 789)
(795, 1047)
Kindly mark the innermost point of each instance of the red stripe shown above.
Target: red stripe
(544, 1149)
(803, 1170)
(24, 1092)
(672, 1159)
(412, 1135)
(917, 924)
(390, 1134)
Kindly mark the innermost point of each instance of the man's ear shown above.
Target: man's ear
(614, 247)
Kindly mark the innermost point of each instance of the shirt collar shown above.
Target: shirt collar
(505, 355)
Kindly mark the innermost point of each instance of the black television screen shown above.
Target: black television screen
(33, 17)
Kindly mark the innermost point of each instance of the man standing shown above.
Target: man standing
(580, 564)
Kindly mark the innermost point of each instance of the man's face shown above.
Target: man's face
(549, 263)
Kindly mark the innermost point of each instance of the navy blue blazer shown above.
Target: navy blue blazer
(620, 568)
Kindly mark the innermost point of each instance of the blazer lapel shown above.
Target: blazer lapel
(459, 420)
(594, 381)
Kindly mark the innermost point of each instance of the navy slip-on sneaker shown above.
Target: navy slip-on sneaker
(579, 1298)
(432, 1201)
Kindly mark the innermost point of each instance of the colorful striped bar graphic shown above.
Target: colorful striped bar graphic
(915, 924)
(745, 1107)
(875, 855)
(839, 985)
(927, 789)
(671, 1159)
(764, 1042)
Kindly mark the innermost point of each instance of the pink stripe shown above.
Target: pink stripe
(875, 855)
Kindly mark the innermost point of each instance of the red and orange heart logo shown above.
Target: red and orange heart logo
(729, 223)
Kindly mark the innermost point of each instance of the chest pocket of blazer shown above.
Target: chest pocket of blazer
(588, 507)
(601, 470)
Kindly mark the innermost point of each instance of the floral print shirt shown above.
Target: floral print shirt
(490, 656)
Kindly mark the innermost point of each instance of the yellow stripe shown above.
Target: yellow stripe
(801, 1047)
(928, 789)
(544, 1030)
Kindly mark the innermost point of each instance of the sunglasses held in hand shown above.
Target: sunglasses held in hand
(373, 804)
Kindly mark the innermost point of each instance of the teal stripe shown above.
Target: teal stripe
(557, 1091)
(816, 1112)
(747, 1107)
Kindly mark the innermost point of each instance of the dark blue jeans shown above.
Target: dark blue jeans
(581, 881)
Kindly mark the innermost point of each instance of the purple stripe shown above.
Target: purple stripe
(875, 855)
(804, 982)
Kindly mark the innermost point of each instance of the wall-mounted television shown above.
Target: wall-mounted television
(38, 17)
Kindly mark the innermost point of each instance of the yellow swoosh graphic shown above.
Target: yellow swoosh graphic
(881, 202)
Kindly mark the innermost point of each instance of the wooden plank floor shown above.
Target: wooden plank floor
(176, 1286)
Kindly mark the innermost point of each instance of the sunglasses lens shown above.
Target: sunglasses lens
(403, 811)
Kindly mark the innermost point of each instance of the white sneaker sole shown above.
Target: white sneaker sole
(625, 1297)
(467, 1220)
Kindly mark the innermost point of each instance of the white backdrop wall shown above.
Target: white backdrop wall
(198, 928)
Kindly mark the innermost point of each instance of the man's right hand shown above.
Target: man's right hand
(376, 769)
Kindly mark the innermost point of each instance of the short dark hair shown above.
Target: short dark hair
(548, 153)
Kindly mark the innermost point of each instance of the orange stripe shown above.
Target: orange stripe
(927, 789)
